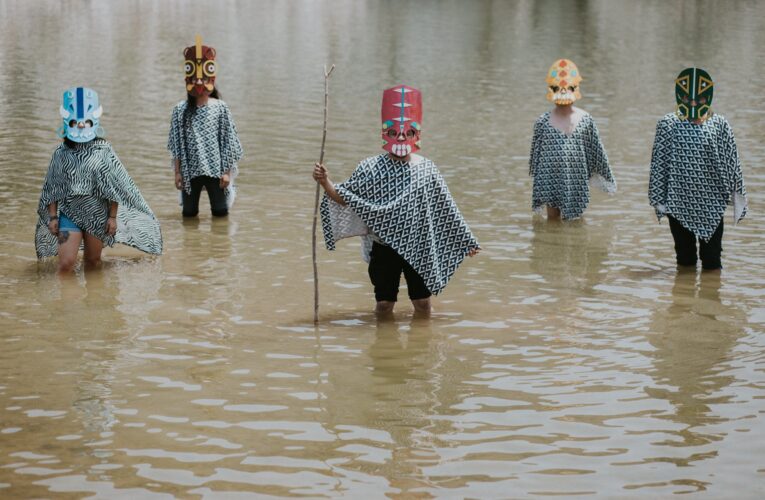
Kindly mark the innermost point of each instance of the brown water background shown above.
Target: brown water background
(564, 359)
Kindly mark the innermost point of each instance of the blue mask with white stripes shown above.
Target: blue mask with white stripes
(81, 112)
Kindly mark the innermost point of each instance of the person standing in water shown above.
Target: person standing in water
(566, 151)
(696, 172)
(203, 141)
(401, 205)
(88, 198)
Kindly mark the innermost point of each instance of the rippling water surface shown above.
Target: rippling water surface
(566, 359)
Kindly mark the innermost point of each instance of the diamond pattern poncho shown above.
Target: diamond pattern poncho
(563, 165)
(209, 145)
(696, 173)
(83, 179)
(409, 208)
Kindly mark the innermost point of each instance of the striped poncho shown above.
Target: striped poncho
(83, 179)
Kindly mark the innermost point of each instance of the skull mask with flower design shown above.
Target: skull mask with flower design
(401, 120)
(563, 80)
(80, 112)
(693, 93)
(200, 68)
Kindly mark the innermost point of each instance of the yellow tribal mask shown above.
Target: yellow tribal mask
(563, 82)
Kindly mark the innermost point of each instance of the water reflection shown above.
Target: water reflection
(693, 339)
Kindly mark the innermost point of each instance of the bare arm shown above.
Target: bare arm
(178, 176)
(321, 175)
(53, 218)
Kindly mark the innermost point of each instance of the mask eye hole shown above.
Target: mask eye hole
(209, 68)
(89, 123)
(72, 123)
(410, 134)
(684, 99)
(190, 68)
(554, 88)
(392, 133)
(572, 89)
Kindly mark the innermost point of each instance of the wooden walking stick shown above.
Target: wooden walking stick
(316, 202)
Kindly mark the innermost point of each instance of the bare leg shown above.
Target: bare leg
(422, 307)
(553, 213)
(384, 307)
(68, 247)
(93, 247)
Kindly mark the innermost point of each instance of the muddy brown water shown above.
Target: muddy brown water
(565, 359)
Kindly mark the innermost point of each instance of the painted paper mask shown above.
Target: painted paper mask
(401, 120)
(693, 92)
(200, 68)
(563, 83)
(80, 112)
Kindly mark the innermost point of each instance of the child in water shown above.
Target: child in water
(401, 205)
(696, 172)
(566, 151)
(203, 140)
(88, 197)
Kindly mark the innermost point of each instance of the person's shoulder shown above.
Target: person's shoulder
(181, 106)
(373, 161)
(544, 117)
(217, 103)
(718, 119)
(668, 121)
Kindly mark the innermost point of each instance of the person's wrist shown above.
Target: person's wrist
(53, 217)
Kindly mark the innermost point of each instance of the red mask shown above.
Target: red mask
(401, 120)
(200, 68)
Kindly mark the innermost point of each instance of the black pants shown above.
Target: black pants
(685, 246)
(215, 193)
(385, 268)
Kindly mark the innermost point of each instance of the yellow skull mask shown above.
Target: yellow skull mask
(563, 83)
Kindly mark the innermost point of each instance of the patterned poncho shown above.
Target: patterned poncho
(207, 145)
(83, 179)
(563, 165)
(696, 173)
(408, 207)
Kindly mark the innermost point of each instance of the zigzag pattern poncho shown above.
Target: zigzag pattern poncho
(83, 179)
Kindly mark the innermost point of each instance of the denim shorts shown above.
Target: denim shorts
(66, 224)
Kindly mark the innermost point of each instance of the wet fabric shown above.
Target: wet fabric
(409, 207)
(562, 166)
(83, 179)
(695, 173)
(209, 145)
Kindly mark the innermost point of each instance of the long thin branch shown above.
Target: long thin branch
(316, 200)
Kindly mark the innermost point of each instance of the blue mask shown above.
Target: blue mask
(80, 107)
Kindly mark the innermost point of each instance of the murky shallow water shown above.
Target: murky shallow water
(565, 359)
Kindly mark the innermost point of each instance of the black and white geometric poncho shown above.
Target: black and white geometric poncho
(208, 145)
(83, 179)
(696, 173)
(408, 207)
(562, 166)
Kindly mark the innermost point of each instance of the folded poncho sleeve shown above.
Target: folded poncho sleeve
(598, 167)
(536, 141)
(230, 147)
(732, 171)
(659, 174)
